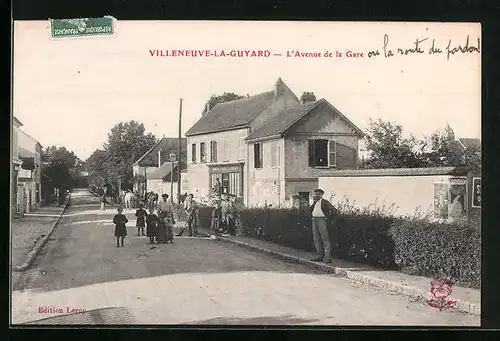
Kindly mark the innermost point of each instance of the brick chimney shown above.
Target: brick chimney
(279, 87)
(307, 97)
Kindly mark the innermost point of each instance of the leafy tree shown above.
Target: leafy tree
(388, 147)
(126, 143)
(215, 99)
(60, 154)
(438, 151)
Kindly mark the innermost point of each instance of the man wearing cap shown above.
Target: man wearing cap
(322, 211)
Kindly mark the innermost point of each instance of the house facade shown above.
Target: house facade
(165, 180)
(152, 161)
(270, 147)
(16, 165)
(28, 188)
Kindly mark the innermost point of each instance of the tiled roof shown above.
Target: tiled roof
(228, 115)
(163, 173)
(25, 153)
(280, 123)
(167, 145)
(397, 172)
(471, 143)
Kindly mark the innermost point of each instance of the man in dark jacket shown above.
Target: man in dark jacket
(322, 213)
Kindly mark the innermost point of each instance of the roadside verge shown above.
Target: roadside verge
(33, 253)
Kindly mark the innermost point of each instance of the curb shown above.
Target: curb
(38, 247)
(405, 290)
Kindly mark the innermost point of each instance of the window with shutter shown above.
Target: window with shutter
(203, 153)
(213, 151)
(257, 155)
(193, 153)
(318, 153)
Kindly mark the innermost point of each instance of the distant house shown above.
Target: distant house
(463, 145)
(162, 180)
(271, 146)
(153, 160)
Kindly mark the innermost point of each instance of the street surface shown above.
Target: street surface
(194, 281)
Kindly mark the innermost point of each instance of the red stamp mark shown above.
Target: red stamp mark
(441, 290)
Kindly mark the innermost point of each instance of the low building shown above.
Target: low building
(29, 195)
(269, 147)
(165, 180)
(16, 167)
(153, 159)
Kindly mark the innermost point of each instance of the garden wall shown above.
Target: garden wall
(407, 190)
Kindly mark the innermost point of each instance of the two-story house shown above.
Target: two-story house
(29, 174)
(268, 147)
(147, 167)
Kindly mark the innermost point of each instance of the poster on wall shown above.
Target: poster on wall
(458, 195)
(441, 200)
(476, 192)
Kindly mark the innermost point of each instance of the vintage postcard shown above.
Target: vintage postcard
(246, 173)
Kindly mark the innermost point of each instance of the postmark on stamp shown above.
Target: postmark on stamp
(81, 27)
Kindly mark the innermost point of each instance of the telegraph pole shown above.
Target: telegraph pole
(179, 158)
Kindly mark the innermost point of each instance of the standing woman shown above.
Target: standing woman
(120, 229)
(164, 211)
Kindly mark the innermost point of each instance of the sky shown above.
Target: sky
(71, 91)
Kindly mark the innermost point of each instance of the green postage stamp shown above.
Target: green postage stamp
(81, 27)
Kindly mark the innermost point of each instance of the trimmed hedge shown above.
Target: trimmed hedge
(417, 247)
(289, 227)
(439, 250)
(362, 238)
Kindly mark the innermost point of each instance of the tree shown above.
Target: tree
(215, 99)
(61, 155)
(437, 150)
(58, 170)
(126, 143)
(388, 147)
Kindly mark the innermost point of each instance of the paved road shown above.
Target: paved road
(194, 281)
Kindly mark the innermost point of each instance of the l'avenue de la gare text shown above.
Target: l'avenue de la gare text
(427, 46)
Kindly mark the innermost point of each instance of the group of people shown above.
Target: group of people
(159, 227)
(223, 221)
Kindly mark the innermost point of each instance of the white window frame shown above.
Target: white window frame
(332, 152)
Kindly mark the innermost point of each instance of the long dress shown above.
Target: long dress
(152, 222)
(164, 212)
(120, 229)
